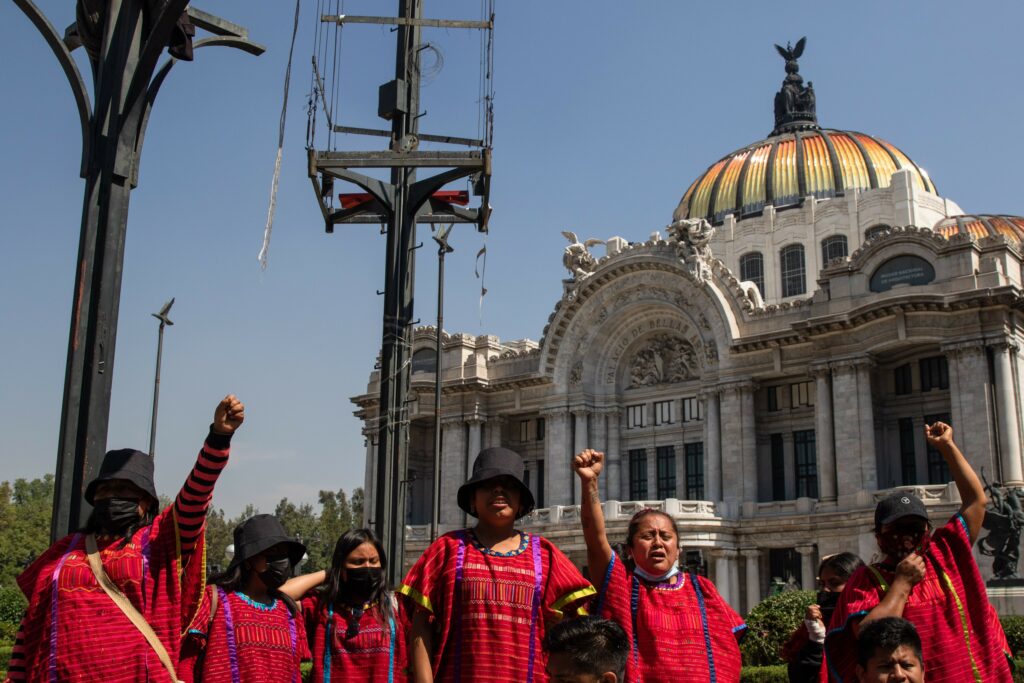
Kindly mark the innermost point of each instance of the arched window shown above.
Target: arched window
(424, 360)
(832, 248)
(794, 280)
(752, 269)
(874, 231)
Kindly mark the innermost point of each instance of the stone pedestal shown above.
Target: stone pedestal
(1007, 599)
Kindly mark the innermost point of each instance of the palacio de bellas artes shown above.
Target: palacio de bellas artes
(761, 368)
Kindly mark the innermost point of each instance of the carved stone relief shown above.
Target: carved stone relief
(663, 360)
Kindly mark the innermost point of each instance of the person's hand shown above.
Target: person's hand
(229, 415)
(938, 435)
(911, 569)
(813, 613)
(588, 464)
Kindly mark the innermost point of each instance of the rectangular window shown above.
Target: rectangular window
(540, 429)
(806, 460)
(934, 373)
(637, 474)
(540, 483)
(908, 453)
(778, 468)
(663, 412)
(524, 430)
(801, 394)
(938, 470)
(793, 270)
(692, 409)
(526, 475)
(694, 453)
(666, 459)
(635, 416)
(784, 568)
(902, 380)
(774, 398)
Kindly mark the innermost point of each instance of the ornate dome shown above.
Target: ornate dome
(982, 226)
(782, 169)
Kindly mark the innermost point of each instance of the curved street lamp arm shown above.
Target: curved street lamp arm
(243, 44)
(67, 63)
(151, 50)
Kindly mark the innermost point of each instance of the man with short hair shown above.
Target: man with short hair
(889, 650)
(587, 650)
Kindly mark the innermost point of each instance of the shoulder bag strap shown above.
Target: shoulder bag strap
(125, 605)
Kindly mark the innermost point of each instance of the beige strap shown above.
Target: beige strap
(122, 601)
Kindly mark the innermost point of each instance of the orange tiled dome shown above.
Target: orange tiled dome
(783, 169)
(982, 226)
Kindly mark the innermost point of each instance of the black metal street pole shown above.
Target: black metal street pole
(443, 248)
(164, 320)
(124, 39)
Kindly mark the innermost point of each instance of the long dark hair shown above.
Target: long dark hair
(842, 564)
(235, 579)
(330, 592)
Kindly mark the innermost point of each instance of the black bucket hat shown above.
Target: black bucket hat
(126, 464)
(260, 532)
(493, 463)
(897, 506)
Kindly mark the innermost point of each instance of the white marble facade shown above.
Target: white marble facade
(768, 427)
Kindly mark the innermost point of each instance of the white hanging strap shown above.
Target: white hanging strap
(280, 148)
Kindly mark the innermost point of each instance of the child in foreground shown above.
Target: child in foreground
(587, 650)
(484, 597)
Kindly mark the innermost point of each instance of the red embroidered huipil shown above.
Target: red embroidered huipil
(679, 630)
(490, 612)
(362, 645)
(72, 630)
(961, 637)
(245, 641)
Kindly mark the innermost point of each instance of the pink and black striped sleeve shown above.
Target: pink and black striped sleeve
(194, 498)
(16, 665)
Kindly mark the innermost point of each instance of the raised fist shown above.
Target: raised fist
(588, 464)
(938, 434)
(229, 415)
(911, 569)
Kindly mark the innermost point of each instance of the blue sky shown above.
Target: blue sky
(605, 112)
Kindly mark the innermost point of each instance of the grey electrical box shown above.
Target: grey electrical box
(391, 99)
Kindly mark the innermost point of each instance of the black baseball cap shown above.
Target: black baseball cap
(898, 506)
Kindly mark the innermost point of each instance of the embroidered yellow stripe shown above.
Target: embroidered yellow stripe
(571, 598)
(417, 597)
(963, 623)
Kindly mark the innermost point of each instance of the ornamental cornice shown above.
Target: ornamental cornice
(818, 370)
(954, 349)
(805, 549)
(727, 553)
(751, 553)
(852, 363)
(908, 233)
(557, 413)
(1004, 345)
(739, 386)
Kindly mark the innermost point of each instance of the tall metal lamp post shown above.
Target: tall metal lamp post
(443, 248)
(164, 321)
(124, 41)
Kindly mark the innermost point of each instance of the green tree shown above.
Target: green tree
(219, 533)
(357, 503)
(770, 624)
(25, 509)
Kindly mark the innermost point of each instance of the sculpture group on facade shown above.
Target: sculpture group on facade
(664, 360)
(1004, 520)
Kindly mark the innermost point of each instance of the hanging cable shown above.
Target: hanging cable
(280, 146)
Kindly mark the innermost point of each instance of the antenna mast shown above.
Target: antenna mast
(400, 205)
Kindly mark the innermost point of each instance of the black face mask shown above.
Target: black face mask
(361, 584)
(276, 573)
(827, 601)
(116, 515)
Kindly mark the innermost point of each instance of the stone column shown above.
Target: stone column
(970, 404)
(494, 432)
(598, 440)
(613, 456)
(453, 469)
(739, 449)
(712, 445)
(854, 426)
(808, 580)
(724, 568)
(557, 468)
(824, 439)
(581, 440)
(753, 570)
(475, 443)
(370, 475)
(1006, 416)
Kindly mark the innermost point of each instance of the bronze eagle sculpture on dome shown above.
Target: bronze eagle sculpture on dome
(795, 102)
